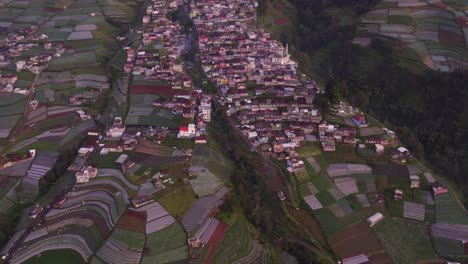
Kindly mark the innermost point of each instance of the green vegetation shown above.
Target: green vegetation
(129, 238)
(353, 202)
(402, 100)
(166, 246)
(325, 198)
(449, 210)
(177, 199)
(107, 161)
(331, 225)
(253, 181)
(402, 20)
(309, 149)
(237, 243)
(343, 154)
(405, 241)
(57, 257)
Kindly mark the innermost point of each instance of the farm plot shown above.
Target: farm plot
(206, 156)
(17, 169)
(9, 197)
(56, 242)
(448, 235)
(168, 245)
(313, 202)
(11, 104)
(75, 60)
(157, 217)
(177, 200)
(344, 169)
(122, 247)
(57, 256)
(148, 147)
(259, 254)
(396, 174)
(405, 241)
(132, 221)
(194, 218)
(448, 210)
(147, 115)
(414, 210)
(347, 186)
(7, 123)
(41, 164)
(117, 174)
(356, 240)
(237, 243)
(370, 131)
(332, 225)
(205, 183)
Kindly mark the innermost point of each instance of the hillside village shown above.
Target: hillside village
(146, 169)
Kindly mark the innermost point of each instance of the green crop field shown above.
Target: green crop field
(448, 210)
(12, 104)
(107, 161)
(57, 257)
(166, 246)
(403, 20)
(309, 149)
(7, 122)
(237, 243)
(320, 180)
(171, 237)
(343, 154)
(325, 198)
(177, 255)
(129, 238)
(331, 225)
(405, 241)
(177, 200)
(73, 61)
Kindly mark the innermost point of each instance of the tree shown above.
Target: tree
(332, 93)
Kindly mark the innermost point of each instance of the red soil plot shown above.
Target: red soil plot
(281, 21)
(356, 240)
(214, 241)
(462, 21)
(380, 258)
(132, 221)
(275, 183)
(451, 38)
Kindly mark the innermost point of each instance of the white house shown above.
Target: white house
(86, 174)
(375, 218)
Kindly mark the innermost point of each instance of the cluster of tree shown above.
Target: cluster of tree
(317, 26)
(65, 159)
(256, 199)
(427, 108)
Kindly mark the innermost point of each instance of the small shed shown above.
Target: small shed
(379, 149)
(375, 218)
(415, 182)
(121, 159)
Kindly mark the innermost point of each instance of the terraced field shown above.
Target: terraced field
(122, 247)
(168, 245)
(417, 243)
(237, 244)
(9, 197)
(448, 210)
(432, 30)
(208, 157)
